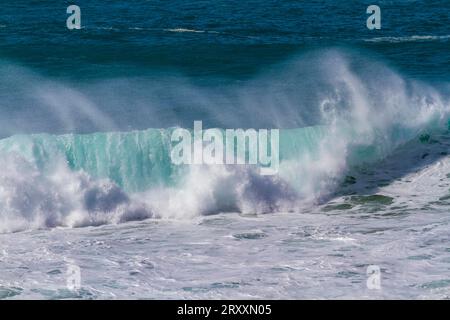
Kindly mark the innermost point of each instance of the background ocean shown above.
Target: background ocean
(86, 178)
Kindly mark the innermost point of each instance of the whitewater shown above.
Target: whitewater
(363, 180)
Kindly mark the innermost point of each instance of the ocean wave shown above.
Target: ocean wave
(110, 176)
(185, 30)
(415, 38)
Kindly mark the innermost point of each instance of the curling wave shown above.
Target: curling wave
(346, 116)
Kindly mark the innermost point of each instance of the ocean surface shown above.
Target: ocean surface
(86, 179)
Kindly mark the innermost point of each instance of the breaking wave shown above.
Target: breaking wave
(340, 116)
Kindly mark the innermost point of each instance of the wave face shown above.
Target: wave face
(349, 113)
(133, 160)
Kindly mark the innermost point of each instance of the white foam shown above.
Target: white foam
(415, 38)
(30, 199)
(185, 30)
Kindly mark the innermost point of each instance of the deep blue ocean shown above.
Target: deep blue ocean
(216, 45)
(228, 39)
(86, 177)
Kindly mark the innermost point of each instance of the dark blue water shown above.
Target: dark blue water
(235, 38)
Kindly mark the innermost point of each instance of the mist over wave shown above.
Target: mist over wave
(99, 163)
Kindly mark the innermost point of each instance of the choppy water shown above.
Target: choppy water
(86, 178)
